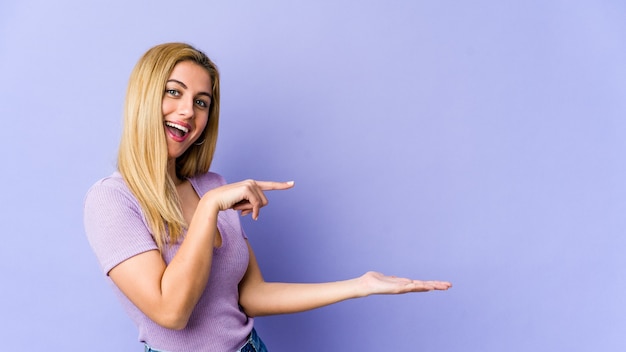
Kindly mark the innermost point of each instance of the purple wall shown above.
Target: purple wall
(477, 142)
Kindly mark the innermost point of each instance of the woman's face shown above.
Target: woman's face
(186, 103)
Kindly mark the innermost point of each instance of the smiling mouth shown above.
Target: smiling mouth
(176, 129)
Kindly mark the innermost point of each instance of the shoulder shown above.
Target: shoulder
(110, 199)
(207, 181)
(114, 180)
(111, 189)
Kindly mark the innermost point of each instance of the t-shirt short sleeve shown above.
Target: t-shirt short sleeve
(114, 223)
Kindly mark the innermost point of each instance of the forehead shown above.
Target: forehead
(192, 75)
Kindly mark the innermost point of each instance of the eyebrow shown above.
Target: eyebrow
(185, 86)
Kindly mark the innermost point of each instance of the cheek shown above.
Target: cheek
(167, 107)
(202, 122)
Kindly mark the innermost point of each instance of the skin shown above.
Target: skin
(167, 294)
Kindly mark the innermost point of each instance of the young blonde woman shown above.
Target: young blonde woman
(166, 230)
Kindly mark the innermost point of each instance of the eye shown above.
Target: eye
(172, 92)
(201, 103)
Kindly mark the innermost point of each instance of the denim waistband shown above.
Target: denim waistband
(150, 349)
(254, 344)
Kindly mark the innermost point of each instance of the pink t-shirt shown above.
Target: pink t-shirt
(117, 230)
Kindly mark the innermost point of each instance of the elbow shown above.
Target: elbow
(250, 307)
(175, 321)
(257, 307)
(253, 299)
(174, 325)
(252, 313)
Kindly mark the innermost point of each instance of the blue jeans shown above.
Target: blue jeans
(254, 344)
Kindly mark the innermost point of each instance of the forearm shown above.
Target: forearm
(258, 297)
(268, 298)
(185, 277)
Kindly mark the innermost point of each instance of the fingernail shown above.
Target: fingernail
(290, 183)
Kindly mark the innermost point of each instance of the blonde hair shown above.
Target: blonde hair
(142, 157)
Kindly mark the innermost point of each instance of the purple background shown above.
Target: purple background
(477, 142)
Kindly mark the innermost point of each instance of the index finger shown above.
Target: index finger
(273, 185)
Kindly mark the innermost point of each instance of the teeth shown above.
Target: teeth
(179, 127)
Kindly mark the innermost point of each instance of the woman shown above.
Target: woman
(166, 230)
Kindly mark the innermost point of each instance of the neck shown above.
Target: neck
(171, 170)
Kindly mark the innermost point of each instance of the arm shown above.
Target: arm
(258, 297)
(167, 294)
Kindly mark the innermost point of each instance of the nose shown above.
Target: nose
(185, 108)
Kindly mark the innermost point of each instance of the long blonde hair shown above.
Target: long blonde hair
(142, 157)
